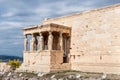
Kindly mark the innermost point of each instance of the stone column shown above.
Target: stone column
(50, 41)
(61, 41)
(25, 43)
(32, 43)
(41, 42)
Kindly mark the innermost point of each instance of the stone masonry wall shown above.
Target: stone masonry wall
(95, 39)
(57, 61)
(43, 61)
(36, 61)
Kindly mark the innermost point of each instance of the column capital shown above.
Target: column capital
(32, 34)
(50, 32)
(61, 33)
(69, 35)
(40, 33)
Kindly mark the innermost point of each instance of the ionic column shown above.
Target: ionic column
(50, 41)
(40, 42)
(25, 43)
(32, 43)
(61, 41)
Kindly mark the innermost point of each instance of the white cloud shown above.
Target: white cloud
(73, 9)
(63, 7)
(9, 14)
(10, 24)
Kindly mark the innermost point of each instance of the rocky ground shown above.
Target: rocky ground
(62, 75)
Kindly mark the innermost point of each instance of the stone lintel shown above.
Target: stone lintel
(47, 27)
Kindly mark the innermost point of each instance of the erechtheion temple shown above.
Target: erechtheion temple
(87, 41)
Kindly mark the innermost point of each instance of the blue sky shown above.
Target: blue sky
(17, 14)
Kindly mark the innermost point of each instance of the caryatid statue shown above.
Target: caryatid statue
(32, 46)
(50, 41)
(41, 42)
(61, 41)
(25, 43)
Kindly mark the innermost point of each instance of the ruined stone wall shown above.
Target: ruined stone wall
(95, 39)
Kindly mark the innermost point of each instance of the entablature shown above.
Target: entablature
(47, 27)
